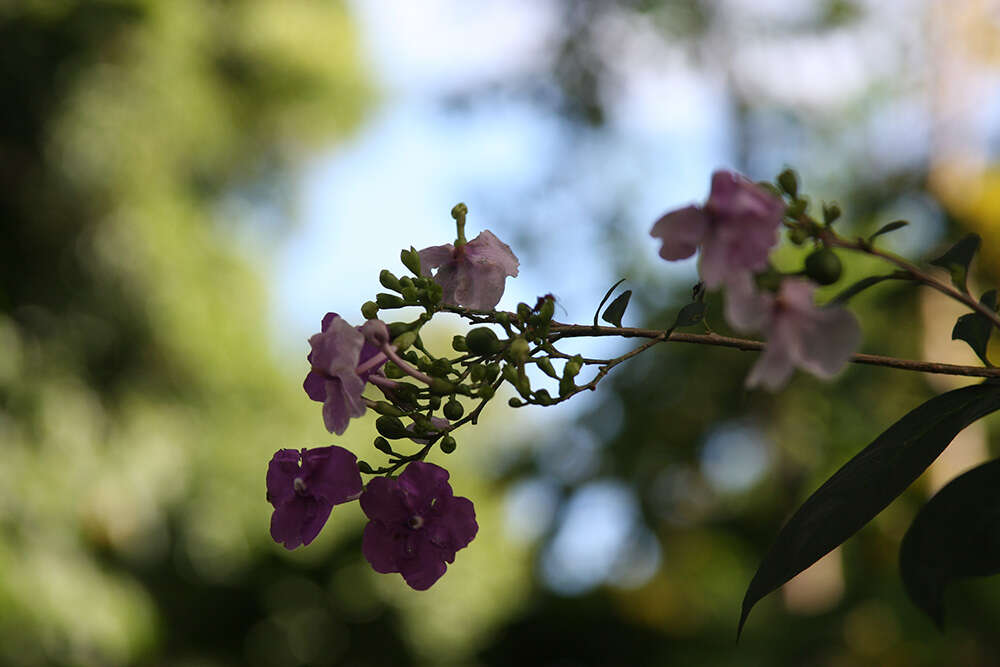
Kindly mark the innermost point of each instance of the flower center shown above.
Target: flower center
(299, 485)
(415, 521)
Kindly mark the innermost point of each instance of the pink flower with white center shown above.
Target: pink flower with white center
(798, 333)
(471, 274)
(735, 229)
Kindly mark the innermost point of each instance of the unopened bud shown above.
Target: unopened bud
(453, 410)
(386, 300)
(386, 408)
(411, 260)
(519, 349)
(391, 427)
(369, 310)
(458, 344)
(789, 182)
(388, 280)
(823, 266)
(546, 367)
(482, 341)
(448, 444)
(383, 445)
(441, 387)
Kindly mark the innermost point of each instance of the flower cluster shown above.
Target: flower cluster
(735, 231)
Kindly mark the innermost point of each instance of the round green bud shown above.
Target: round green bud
(369, 310)
(448, 444)
(383, 445)
(823, 266)
(542, 397)
(477, 372)
(391, 427)
(492, 371)
(453, 410)
(410, 294)
(523, 311)
(365, 468)
(515, 402)
(547, 310)
(798, 235)
(441, 387)
(459, 210)
(482, 341)
(440, 368)
(486, 392)
(434, 402)
(392, 371)
(573, 367)
(545, 365)
(789, 182)
(458, 344)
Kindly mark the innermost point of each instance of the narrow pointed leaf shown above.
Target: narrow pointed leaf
(607, 295)
(690, 314)
(958, 258)
(886, 228)
(866, 484)
(975, 328)
(956, 535)
(853, 290)
(616, 310)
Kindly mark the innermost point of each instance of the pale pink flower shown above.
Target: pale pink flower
(473, 274)
(798, 333)
(735, 229)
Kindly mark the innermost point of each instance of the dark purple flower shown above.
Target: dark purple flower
(337, 351)
(736, 229)
(473, 274)
(417, 524)
(304, 486)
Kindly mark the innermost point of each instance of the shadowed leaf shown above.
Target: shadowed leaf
(853, 290)
(690, 314)
(954, 536)
(616, 310)
(866, 484)
(958, 258)
(975, 328)
(889, 227)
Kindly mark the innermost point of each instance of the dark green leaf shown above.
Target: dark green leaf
(690, 314)
(956, 535)
(607, 295)
(957, 259)
(975, 328)
(858, 287)
(866, 484)
(890, 227)
(615, 311)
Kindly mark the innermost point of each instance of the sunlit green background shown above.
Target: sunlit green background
(151, 156)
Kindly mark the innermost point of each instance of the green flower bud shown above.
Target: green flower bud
(796, 208)
(365, 468)
(453, 410)
(547, 310)
(502, 319)
(510, 374)
(519, 349)
(399, 328)
(411, 260)
(383, 445)
(515, 402)
(405, 340)
(477, 372)
(542, 397)
(523, 311)
(486, 392)
(441, 387)
(546, 367)
(566, 386)
(482, 341)
(388, 280)
(448, 444)
(492, 371)
(434, 402)
(405, 281)
(458, 344)
(573, 367)
(410, 294)
(789, 182)
(392, 371)
(823, 266)
(386, 408)
(386, 300)
(391, 427)
(459, 210)
(369, 310)
(831, 212)
(798, 235)
(440, 367)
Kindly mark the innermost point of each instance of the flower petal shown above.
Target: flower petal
(380, 547)
(332, 474)
(747, 308)
(454, 525)
(281, 474)
(298, 521)
(681, 231)
(382, 501)
(327, 319)
(777, 361)
(421, 482)
(343, 401)
(478, 287)
(435, 256)
(422, 565)
(829, 339)
(337, 349)
(488, 249)
(315, 386)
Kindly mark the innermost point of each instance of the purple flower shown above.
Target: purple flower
(417, 524)
(818, 340)
(337, 351)
(303, 494)
(736, 229)
(473, 274)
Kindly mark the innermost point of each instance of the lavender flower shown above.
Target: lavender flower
(337, 351)
(818, 340)
(471, 274)
(417, 524)
(736, 229)
(304, 486)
